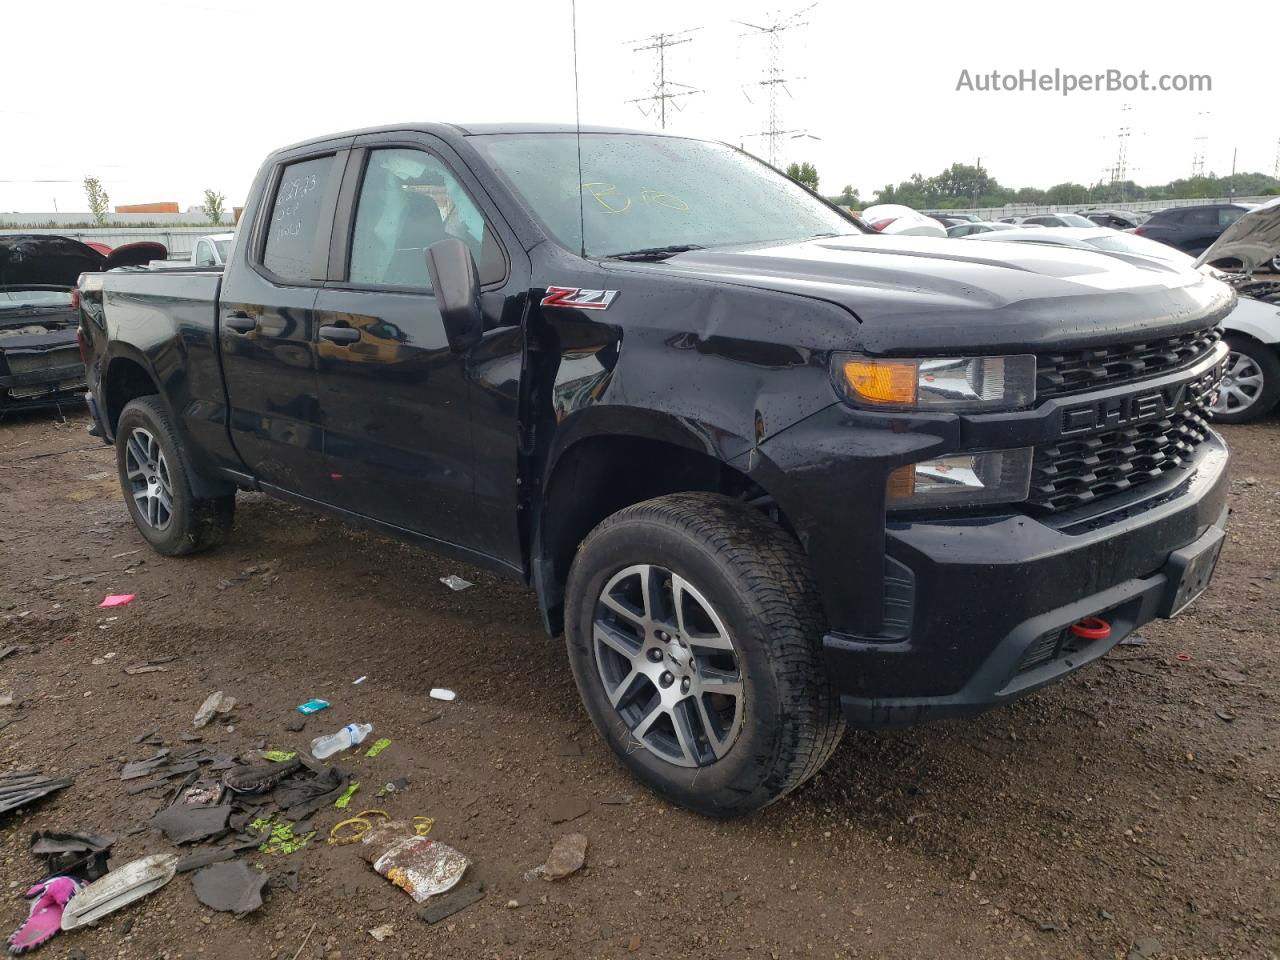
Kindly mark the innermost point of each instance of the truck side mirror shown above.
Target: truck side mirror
(455, 281)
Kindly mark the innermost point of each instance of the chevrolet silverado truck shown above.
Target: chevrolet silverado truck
(770, 473)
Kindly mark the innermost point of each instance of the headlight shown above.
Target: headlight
(936, 383)
(966, 479)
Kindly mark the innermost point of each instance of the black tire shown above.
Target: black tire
(1255, 359)
(757, 579)
(190, 524)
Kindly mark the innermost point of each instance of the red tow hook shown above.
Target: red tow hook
(1091, 628)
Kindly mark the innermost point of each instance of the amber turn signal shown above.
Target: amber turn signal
(883, 381)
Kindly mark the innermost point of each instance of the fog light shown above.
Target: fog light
(967, 479)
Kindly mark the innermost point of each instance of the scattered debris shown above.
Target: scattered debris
(567, 857)
(20, 788)
(187, 824)
(381, 933)
(619, 800)
(441, 693)
(261, 777)
(81, 856)
(568, 808)
(278, 756)
(155, 665)
(1183, 658)
(1133, 640)
(282, 839)
(119, 888)
(451, 903)
(217, 704)
(1230, 676)
(378, 747)
(205, 858)
(48, 905)
(420, 866)
(346, 738)
(359, 680)
(118, 600)
(230, 887)
(12, 649)
(295, 724)
(314, 705)
(344, 801)
(1226, 716)
(360, 824)
(456, 583)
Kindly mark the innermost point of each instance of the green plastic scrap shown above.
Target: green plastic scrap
(347, 794)
(281, 840)
(378, 747)
(278, 756)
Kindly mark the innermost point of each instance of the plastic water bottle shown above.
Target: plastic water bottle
(344, 739)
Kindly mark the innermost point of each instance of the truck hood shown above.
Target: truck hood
(1254, 239)
(911, 293)
(51, 260)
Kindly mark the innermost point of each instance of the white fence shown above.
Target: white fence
(1144, 206)
(178, 240)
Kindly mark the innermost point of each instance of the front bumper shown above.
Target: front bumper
(988, 601)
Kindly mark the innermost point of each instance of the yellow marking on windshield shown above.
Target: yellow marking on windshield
(605, 190)
(660, 198)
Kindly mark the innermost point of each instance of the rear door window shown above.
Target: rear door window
(1200, 218)
(294, 227)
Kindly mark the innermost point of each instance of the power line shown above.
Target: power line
(774, 80)
(664, 91)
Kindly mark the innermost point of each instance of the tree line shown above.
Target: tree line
(964, 185)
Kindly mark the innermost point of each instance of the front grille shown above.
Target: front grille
(1071, 472)
(1094, 367)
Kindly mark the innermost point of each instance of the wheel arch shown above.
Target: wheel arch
(595, 472)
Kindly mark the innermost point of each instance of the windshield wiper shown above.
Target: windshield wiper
(656, 253)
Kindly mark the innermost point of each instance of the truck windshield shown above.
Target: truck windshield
(646, 193)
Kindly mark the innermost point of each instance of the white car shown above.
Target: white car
(212, 250)
(895, 218)
(1251, 387)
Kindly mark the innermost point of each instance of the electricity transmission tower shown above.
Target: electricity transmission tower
(774, 80)
(1276, 172)
(1120, 172)
(664, 91)
(1199, 144)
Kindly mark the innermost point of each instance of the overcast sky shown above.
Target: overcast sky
(163, 99)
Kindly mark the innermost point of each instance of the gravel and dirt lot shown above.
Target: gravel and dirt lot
(1131, 811)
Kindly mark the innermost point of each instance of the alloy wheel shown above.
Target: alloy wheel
(1241, 384)
(147, 473)
(668, 665)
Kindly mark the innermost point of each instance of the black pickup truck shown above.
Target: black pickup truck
(768, 472)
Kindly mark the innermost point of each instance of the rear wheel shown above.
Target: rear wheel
(157, 487)
(1251, 385)
(695, 636)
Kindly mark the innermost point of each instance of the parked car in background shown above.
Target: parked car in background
(1251, 387)
(896, 218)
(968, 229)
(212, 251)
(1116, 219)
(40, 363)
(1050, 220)
(1191, 229)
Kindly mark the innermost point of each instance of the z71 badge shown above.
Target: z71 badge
(575, 298)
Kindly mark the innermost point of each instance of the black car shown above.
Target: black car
(40, 361)
(1192, 229)
(1116, 219)
(768, 471)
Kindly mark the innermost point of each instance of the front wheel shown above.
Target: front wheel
(1251, 385)
(157, 489)
(695, 635)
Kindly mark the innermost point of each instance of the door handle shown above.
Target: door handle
(339, 334)
(240, 322)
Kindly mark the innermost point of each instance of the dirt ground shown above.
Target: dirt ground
(1130, 811)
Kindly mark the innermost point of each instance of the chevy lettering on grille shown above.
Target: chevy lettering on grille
(1149, 404)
